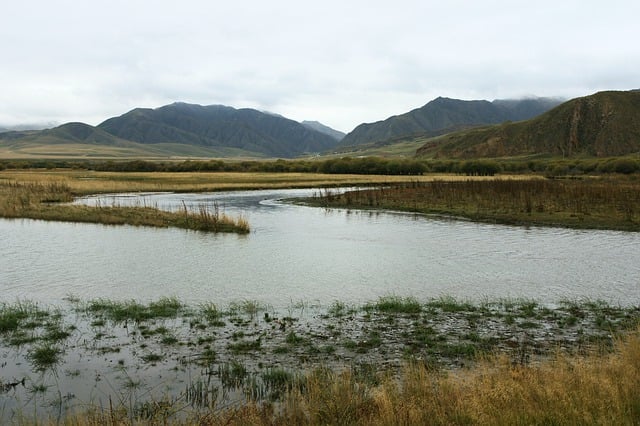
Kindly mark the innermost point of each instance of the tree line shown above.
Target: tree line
(351, 165)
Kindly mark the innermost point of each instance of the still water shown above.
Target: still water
(302, 254)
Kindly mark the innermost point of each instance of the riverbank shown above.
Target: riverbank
(41, 194)
(165, 361)
(49, 201)
(611, 203)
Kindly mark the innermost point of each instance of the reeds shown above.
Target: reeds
(606, 203)
(41, 200)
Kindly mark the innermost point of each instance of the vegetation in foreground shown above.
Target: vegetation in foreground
(596, 203)
(500, 362)
(45, 201)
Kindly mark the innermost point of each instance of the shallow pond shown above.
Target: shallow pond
(296, 253)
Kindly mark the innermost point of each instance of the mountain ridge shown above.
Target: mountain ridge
(218, 125)
(444, 115)
(603, 124)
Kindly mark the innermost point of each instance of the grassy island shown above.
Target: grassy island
(611, 202)
(47, 199)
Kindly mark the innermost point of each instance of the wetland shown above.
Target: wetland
(147, 325)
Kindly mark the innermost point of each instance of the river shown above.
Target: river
(297, 254)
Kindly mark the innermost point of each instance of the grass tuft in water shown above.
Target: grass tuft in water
(44, 357)
(396, 305)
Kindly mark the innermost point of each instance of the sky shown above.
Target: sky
(338, 62)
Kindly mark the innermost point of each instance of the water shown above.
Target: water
(301, 254)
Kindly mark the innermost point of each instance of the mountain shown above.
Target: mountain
(218, 126)
(444, 115)
(601, 125)
(315, 125)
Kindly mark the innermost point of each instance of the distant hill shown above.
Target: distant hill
(24, 127)
(603, 124)
(219, 126)
(444, 115)
(315, 125)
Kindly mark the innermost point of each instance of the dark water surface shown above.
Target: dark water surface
(301, 254)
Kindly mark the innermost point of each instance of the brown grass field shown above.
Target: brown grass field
(83, 182)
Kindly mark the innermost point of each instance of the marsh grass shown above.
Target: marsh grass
(232, 374)
(450, 304)
(44, 356)
(441, 365)
(42, 200)
(166, 307)
(396, 304)
(603, 203)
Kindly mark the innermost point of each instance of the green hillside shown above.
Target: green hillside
(218, 126)
(601, 125)
(179, 129)
(444, 115)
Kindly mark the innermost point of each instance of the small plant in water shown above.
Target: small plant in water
(396, 304)
(44, 357)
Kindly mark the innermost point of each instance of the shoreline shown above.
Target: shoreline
(170, 346)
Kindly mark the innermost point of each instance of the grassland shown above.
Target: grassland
(390, 361)
(611, 202)
(84, 182)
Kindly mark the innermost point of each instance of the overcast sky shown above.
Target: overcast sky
(339, 62)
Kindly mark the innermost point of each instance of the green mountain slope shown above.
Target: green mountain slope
(219, 126)
(444, 115)
(601, 125)
(315, 125)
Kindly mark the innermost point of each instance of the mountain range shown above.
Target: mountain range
(601, 125)
(217, 125)
(445, 115)
(190, 129)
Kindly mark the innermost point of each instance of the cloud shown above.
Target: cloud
(341, 63)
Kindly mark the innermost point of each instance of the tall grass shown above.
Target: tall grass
(41, 200)
(607, 203)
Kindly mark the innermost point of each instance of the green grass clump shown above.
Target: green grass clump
(396, 305)
(44, 356)
(451, 304)
(19, 314)
(166, 307)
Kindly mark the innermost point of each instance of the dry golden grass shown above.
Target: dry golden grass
(600, 388)
(83, 182)
(41, 199)
(603, 203)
